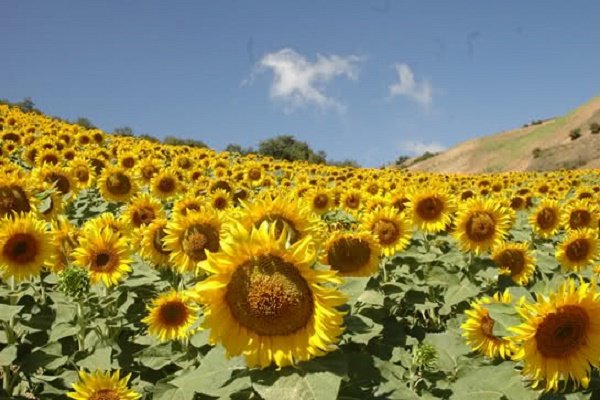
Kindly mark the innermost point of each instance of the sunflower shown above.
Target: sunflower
(24, 246)
(515, 260)
(431, 209)
(64, 240)
(171, 316)
(116, 184)
(351, 200)
(264, 300)
(221, 199)
(392, 229)
(152, 246)
(319, 199)
(560, 335)
(285, 211)
(142, 210)
(148, 168)
(165, 184)
(189, 238)
(186, 204)
(60, 177)
(352, 253)
(102, 386)
(106, 220)
(83, 173)
(481, 224)
(545, 219)
(580, 214)
(579, 249)
(478, 329)
(15, 194)
(105, 254)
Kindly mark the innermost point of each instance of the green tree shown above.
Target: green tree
(85, 122)
(286, 147)
(123, 131)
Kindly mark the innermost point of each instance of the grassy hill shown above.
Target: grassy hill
(543, 146)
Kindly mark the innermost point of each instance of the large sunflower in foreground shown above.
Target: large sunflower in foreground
(391, 229)
(579, 249)
(560, 336)
(171, 316)
(545, 220)
(264, 300)
(353, 253)
(102, 386)
(515, 260)
(478, 329)
(431, 209)
(105, 254)
(24, 246)
(481, 224)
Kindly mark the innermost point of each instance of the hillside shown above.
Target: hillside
(514, 150)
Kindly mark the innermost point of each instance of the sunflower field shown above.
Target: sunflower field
(131, 269)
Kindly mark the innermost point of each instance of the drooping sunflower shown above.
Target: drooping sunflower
(105, 254)
(391, 228)
(560, 336)
(190, 237)
(431, 209)
(285, 211)
(580, 248)
(171, 316)
(116, 184)
(352, 253)
(64, 240)
(15, 194)
(264, 300)
(579, 214)
(478, 329)
(152, 246)
(515, 260)
(481, 224)
(545, 219)
(25, 246)
(142, 210)
(101, 385)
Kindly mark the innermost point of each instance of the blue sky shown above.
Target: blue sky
(367, 80)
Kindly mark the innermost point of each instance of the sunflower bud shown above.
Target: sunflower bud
(74, 282)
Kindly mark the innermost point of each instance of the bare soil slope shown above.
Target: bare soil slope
(514, 150)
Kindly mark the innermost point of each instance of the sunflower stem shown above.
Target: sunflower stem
(81, 323)
(6, 379)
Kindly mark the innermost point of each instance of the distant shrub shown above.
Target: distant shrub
(537, 152)
(594, 128)
(425, 156)
(575, 134)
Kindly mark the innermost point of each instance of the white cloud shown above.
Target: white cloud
(421, 92)
(298, 82)
(416, 148)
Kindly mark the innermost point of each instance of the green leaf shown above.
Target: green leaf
(353, 288)
(458, 293)
(493, 382)
(8, 355)
(7, 312)
(63, 330)
(216, 376)
(99, 359)
(157, 356)
(371, 297)
(166, 391)
(504, 316)
(450, 347)
(360, 329)
(293, 385)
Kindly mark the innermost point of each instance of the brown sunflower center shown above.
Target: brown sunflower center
(82, 174)
(546, 218)
(148, 171)
(61, 182)
(563, 332)
(220, 203)
(480, 226)
(281, 223)
(467, 194)
(13, 198)
(105, 394)
(579, 219)
(517, 203)
(400, 204)
(352, 201)
(143, 215)
(173, 313)
(387, 231)
(270, 297)
(254, 174)
(21, 248)
(166, 185)
(349, 254)
(487, 326)
(430, 208)
(128, 162)
(578, 250)
(320, 201)
(118, 183)
(512, 259)
(49, 159)
(198, 238)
